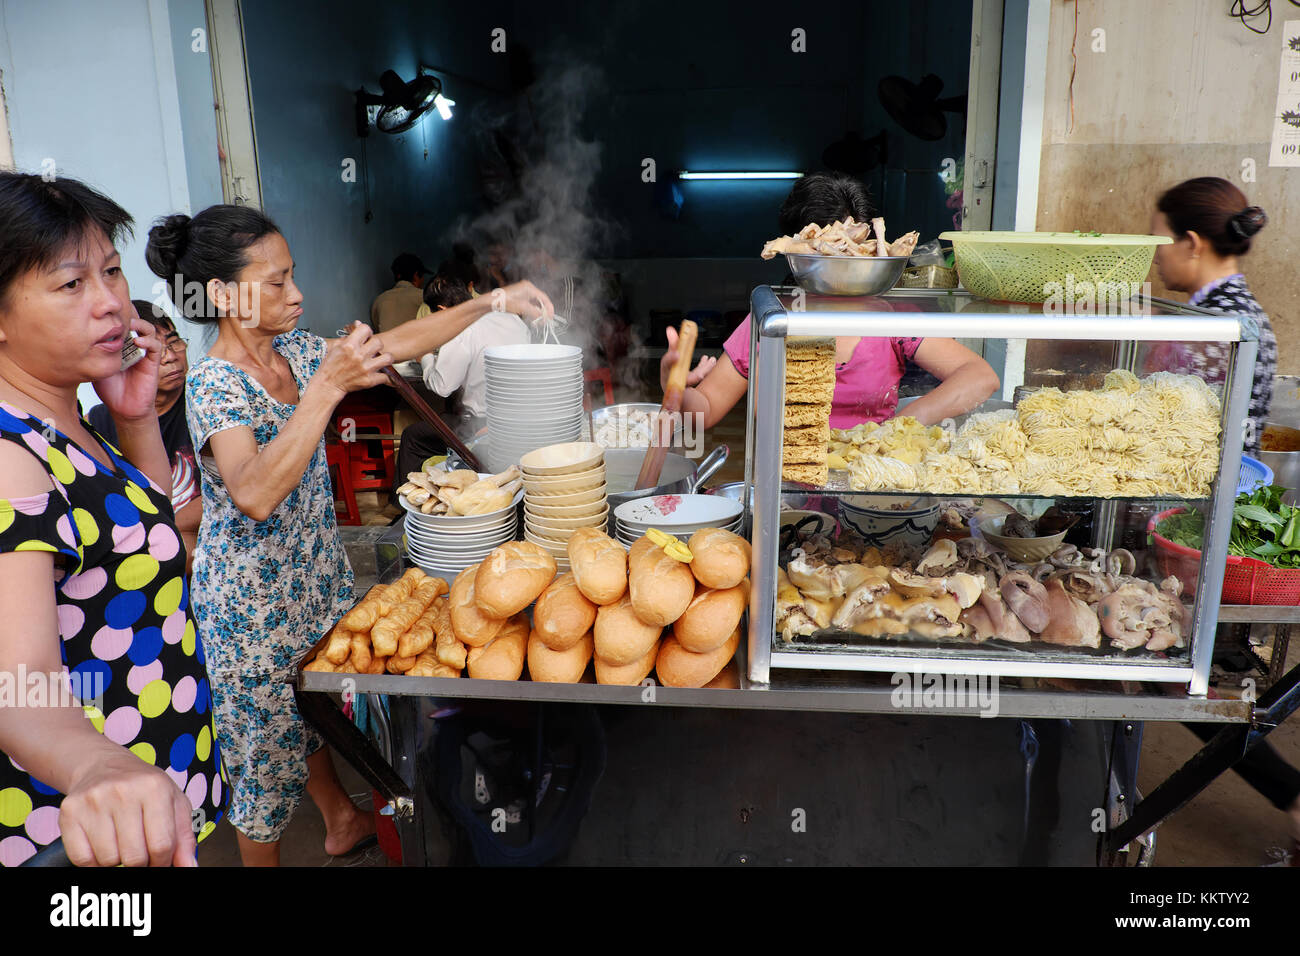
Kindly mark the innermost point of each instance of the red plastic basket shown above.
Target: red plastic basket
(1245, 580)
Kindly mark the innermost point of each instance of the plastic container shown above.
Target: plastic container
(1245, 580)
(1028, 266)
(1253, 473)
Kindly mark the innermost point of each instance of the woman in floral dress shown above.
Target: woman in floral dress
(270, 573)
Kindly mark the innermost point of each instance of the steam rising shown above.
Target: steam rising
(541, 179)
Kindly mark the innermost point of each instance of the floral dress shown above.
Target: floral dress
(264, 591)
(127, 639)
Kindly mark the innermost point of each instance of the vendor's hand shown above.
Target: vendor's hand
(527, 301)
(129, 395)
(702, 368)
(121, 810)
(354, 362)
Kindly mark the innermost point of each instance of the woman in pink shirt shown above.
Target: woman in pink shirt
(867, 370)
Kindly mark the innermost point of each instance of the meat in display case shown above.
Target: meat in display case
(1010, 541)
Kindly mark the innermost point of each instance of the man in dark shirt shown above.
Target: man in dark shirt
(187, 503)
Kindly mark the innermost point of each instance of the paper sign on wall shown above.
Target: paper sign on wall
(1285, 150)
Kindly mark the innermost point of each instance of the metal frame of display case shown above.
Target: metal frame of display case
(773, 322)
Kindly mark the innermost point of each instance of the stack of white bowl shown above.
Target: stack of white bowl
(564, 489)
(678, 515)
(534, 398)
(444, 545)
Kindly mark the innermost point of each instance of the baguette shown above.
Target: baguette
(621, 637)
(599, 565)
(708, 621)
(511, 577)
(559, 667)
(502, 658)
(678, 667)
(563, 614)
(660, 587)
(471, 625)
(627, 674)
(719, 558)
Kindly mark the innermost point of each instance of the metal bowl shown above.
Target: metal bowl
(847, 275)
(617, 417)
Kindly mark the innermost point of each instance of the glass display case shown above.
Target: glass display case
(894, 549)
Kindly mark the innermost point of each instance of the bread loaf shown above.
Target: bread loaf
(678, 667)
(599, 565)
(660, 587)
(719, 558)
(558, 667)
(511, 577)
(621, 636)
(502, 658)
(563, 615)
(710, 618)
(634, 673)
(471, 625)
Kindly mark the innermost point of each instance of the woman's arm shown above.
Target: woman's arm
(117, 808)
(259, 478)
(966, 380)
(716, 394)
(414, 338)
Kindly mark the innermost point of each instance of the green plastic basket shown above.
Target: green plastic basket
(1040, 266)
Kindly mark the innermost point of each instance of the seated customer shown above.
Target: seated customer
(187, 503)
(400, 303)
(459, 363)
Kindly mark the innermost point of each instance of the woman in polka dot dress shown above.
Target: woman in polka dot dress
(106, 735)
(270, 573)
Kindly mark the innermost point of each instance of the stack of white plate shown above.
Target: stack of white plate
(444, 545)
(678, 515)
(564, 489)
(534, 398)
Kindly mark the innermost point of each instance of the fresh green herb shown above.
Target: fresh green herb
(1080, 232)
(1263, 528)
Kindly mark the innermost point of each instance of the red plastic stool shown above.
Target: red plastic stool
(336, 457)
(368, 472)
(600, 375)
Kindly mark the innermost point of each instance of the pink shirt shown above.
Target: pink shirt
(866, 386)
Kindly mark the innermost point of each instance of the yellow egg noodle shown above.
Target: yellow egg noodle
(1154, 437)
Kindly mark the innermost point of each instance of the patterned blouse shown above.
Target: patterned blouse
(126, 635)
(1209, 360)
(264, 591)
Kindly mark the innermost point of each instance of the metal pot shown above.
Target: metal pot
(1285, 464)
(681, 475)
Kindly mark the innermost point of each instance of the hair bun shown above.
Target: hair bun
(168, 240)
(1248, 222)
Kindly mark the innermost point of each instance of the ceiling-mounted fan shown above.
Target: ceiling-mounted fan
(400, 105)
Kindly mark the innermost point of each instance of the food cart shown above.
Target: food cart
(1101, 695)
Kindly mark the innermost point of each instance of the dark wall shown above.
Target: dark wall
(304, 62)
(717, 86)
(700, 86)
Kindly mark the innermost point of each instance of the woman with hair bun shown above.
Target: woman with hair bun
(270, 573)
(1212, 225)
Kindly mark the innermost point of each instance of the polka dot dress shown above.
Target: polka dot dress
(127, 637)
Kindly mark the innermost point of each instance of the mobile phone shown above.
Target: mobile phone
(131, 353)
